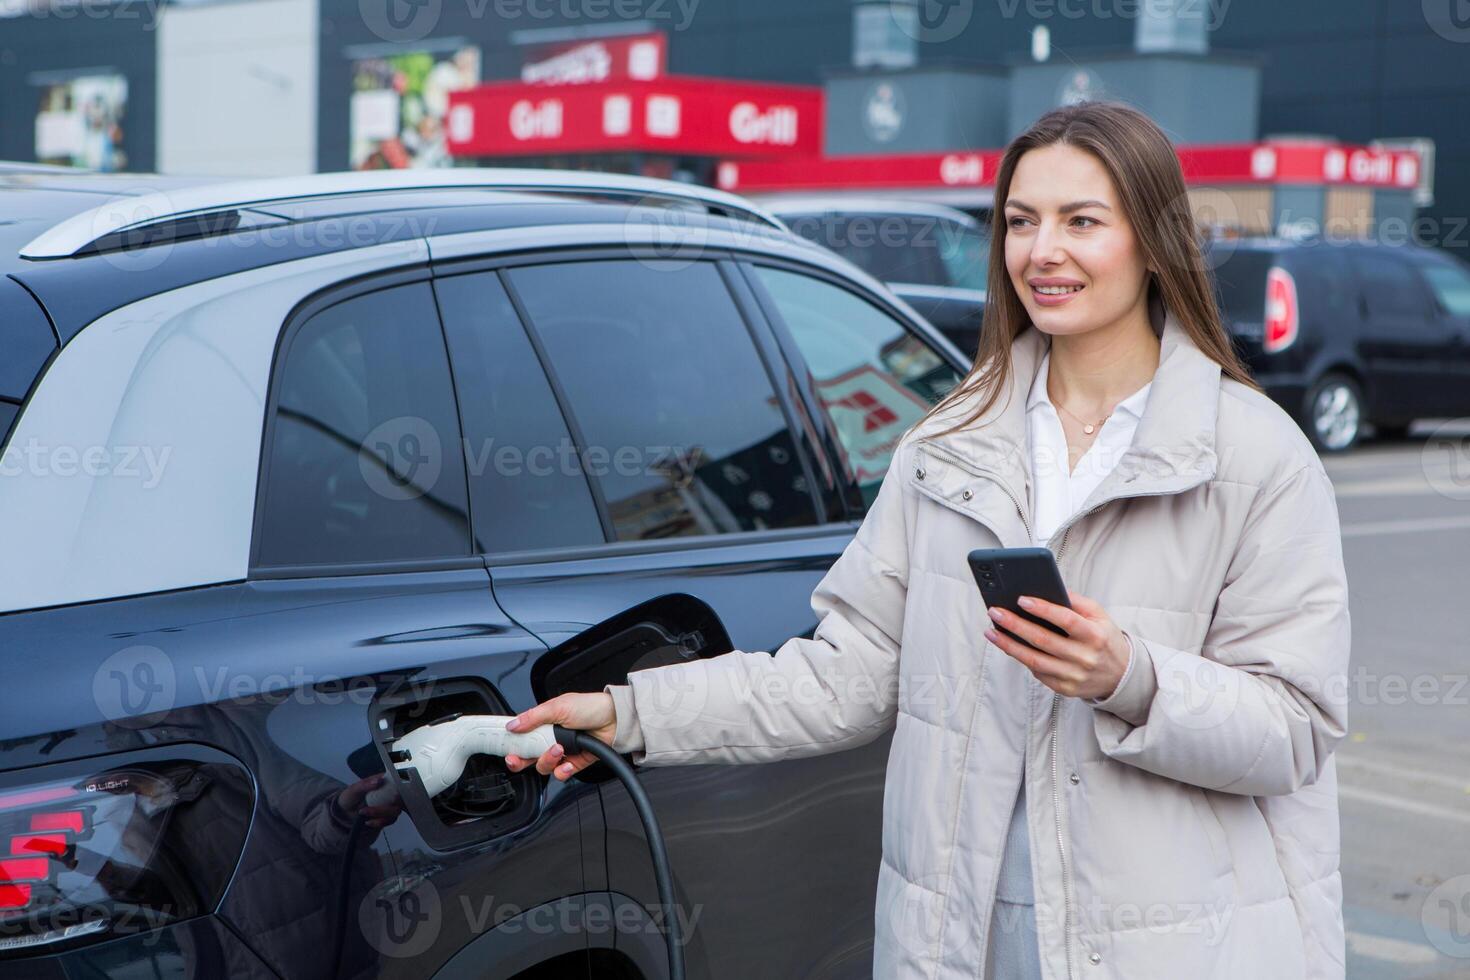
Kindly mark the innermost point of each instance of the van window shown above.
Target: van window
(1240, 283)
(1389, 285)
(1451, 284)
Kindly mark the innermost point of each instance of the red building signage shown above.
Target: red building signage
(673, 114)
(1301, 163)
(1246, 163)
(960, 169)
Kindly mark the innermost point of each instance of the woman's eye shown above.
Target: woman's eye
(1017, 221)
(1083, 217)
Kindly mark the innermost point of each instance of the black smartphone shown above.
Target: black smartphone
(1006, 574)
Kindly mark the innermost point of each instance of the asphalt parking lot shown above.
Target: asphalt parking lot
(1405, 768)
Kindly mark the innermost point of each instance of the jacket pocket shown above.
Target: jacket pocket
(1214, 830)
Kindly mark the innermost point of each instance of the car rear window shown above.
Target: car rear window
(888, 247)
(1240, 282)
(966, 254)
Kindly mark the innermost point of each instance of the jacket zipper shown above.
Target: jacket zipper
(986, 475)
(1056, 706)
(1056, 793)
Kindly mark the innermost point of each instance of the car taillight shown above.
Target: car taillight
(89, 851)
(1281, 311)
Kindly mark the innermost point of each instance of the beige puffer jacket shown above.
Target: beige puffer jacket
(1184, 827)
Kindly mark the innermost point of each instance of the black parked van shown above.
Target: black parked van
(1342, 334)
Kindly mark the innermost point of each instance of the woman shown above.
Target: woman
(1152, 795)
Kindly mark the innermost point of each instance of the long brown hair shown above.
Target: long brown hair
(1144, 167)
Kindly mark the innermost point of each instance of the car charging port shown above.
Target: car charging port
(487, 799)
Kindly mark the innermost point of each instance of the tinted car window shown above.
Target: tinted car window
(965, 253)
(875, 378)
(1240, 283)
(888, 247)
(1326, 286)
(684, 433)
(526, 480)
(365, 460)
(1389, 285)
(1451, 284)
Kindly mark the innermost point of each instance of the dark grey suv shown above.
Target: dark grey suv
(294, 466)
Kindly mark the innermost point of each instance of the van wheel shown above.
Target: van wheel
(1333, 411)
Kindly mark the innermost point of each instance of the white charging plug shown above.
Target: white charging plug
(438, 752)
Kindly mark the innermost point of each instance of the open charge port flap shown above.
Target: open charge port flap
(488, 799)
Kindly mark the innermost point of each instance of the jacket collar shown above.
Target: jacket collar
(1173, 448)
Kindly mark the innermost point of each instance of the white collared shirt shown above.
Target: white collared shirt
(1056, 494)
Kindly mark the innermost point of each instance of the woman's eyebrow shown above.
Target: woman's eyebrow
(1064, 209)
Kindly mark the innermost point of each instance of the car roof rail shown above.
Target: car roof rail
(127, 218)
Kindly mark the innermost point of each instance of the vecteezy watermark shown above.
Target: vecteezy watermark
(1203, 694)
(912, 914)
(146, 11)
(402, 458)
(1445, 916)
(38, 459)
(482, 913)
(840, 232)
(565, 459)
(135, 686)
(667, 238)
(1211, 12)
(401, 20)
(1445, 459)
(1345, 228)
(932, 21)
(668, 234)
(1210, 921)
(414, 20)
(1450, 19)
(1210, 214)
(64, 919)
(401, 916)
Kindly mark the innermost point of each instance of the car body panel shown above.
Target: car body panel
(808, 888)
(168, 499)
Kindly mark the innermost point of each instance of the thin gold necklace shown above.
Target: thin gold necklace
(1087, 427)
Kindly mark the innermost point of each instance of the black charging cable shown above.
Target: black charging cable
(575, 742)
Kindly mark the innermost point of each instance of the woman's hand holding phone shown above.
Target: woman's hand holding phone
(1086, 663)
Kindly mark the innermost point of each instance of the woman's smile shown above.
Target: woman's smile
(1050, 291)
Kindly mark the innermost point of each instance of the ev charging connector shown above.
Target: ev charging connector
(438, 753)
